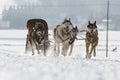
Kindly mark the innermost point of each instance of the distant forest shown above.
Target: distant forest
(55, 11)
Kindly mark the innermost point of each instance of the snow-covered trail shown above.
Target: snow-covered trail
(15, 65)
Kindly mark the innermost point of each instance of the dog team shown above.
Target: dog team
(64, 36)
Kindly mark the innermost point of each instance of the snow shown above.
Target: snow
(16, 65)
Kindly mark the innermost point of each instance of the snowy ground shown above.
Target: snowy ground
(15, 65)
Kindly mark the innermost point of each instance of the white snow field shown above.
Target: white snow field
(15, 65)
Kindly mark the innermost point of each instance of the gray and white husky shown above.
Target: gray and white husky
(64, 34)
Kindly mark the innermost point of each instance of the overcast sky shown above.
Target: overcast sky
(7, 3)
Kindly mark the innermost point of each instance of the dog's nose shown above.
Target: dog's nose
(67, 27)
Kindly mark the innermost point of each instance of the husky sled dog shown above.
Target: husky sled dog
(64, 34)
(37, 37)
(91, 39)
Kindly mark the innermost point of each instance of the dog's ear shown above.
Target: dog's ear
(69, 19)
(76, 27)
(95, 23)
(65, 19)
(89, 22)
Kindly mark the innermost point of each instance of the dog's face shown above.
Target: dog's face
(68, 24)
(74, 32)
(39, 34)
(91, 27)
